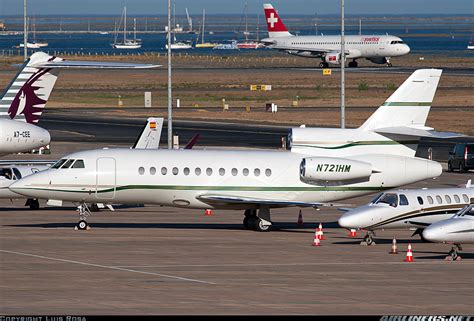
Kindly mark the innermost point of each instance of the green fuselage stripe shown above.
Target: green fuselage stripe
(361, 143)
(223, 188)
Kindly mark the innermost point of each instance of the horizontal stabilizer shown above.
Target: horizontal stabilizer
(417, 132)
(226, 199)
(91, 65)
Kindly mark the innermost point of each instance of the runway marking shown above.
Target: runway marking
(285, 264)
(108, 267)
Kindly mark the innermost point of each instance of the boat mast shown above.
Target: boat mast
(124, 25)
(203, 20)
(134, 29)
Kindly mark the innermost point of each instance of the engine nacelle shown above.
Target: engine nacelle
(333, 58)
(378, 60)
(318, 169)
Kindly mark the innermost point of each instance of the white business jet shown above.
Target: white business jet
(324, 165)
(456, 230)
(24, 99)
(407, 209)
(377, 49)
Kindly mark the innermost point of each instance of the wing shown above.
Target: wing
(7, 162)
(91, 64)
(417, 132)
(237, 200)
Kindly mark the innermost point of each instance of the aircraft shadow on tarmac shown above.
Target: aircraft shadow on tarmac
(288, 227)
(441, 256)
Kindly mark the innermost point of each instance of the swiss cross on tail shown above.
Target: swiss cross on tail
(275, 26)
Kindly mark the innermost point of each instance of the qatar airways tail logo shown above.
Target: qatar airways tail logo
(26, 101)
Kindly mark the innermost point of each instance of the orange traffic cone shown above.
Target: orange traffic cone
(409, 257)
(208, 212)
(320, 232)
(394, 249)
(300, 219)
(352, 233)
(316, 241)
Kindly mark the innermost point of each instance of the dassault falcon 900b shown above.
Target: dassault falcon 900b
(377, 49)
(324, 165)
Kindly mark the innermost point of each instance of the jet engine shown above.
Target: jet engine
(317, 169)
(378, 60)
(333, 58)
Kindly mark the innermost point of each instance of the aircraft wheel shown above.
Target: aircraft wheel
(246, 222)
(323, 64)
(82, 225)
(353, 64)
(389, 64)
(34, 204)
(260, 226)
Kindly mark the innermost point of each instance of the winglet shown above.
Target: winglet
(151, 134)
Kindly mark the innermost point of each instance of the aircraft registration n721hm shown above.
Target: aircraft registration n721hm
(376, 156)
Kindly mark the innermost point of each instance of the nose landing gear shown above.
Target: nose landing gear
(84, 211)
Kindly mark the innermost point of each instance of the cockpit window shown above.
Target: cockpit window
(376, 198)
(59, 163)
(67, 164)
(17, 173)
(6, 173)
(394, 42)
(467, 211)
(389, 198)
(78, 164)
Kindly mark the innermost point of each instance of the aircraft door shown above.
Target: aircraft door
(105, 178)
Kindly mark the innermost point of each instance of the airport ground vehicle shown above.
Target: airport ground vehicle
(462, 157)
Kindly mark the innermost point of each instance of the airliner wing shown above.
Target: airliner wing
(228, 200)
(91, 64)
(6, 162)
(417, 132)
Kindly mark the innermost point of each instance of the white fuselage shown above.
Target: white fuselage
(10, 174)
(361, 46)
(457, 229)
(180, 177)
(400, 209)
(18, 136)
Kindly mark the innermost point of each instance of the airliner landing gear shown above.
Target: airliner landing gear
(389, 64)
(353, 64)
(453, 254)
(84, 211)
(323, 64)
(32, 203)
(260, 221)
(368, 239)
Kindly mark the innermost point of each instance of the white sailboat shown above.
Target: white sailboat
(35, 44)
(127, 43)
(177, 45)
(248, 44)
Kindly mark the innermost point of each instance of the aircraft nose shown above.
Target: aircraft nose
(29, 185)
(349, 220)
(433, 232)
(407, 49)
(44, 137)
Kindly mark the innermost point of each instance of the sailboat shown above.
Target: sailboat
(127, 43)
(204, 44)
(175, 44)
(35, 44)
(470, 44)
(248, 44)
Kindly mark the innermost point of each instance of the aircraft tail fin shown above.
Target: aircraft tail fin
(151, 134)
(409, 105)
(26, 95)
(276, 27)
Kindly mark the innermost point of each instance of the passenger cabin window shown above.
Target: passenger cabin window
(221, 171)
(197, 171)
(186, 171)
(175, 170)
(403, 200)
(209, 171)
(234, 171)
(164, 171)
(59, 163)
(430, 200)
(390, 199)
(152, 170)
(457, 199)
(268, 172)
(256, 172)
(448, 199)
(78, 164)
(465, 198)
(67, 164)
(420, 200)
(246, 172)
(439, 199)
(141, 170)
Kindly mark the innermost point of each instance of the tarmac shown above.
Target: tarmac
(158, 260)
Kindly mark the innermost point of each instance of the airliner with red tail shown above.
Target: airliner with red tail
(377, 49)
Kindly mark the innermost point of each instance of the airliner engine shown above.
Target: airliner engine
(333, 57)
(333, 169)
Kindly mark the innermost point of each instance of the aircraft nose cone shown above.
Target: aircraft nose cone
(27, 185)
(407, 49)
(433, 232)
(348, 220)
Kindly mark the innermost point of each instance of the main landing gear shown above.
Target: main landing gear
(453, 255)
(368, 239)
(260, 221)
(353, 64)
(388, 62)
(323, 64)
(32, 203)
